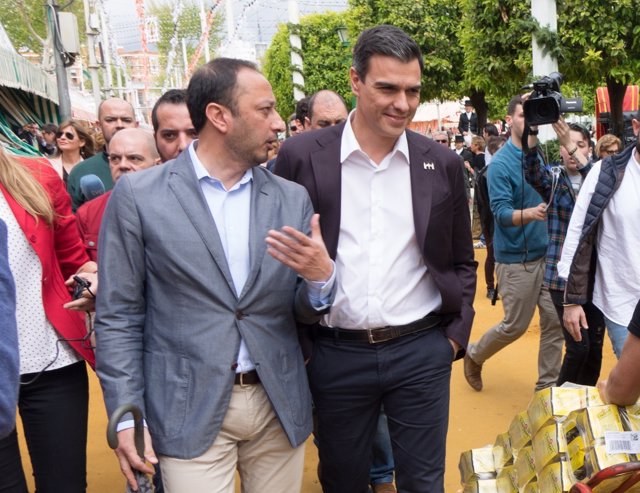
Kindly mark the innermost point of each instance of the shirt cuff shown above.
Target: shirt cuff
(320, 291)
(125, 425)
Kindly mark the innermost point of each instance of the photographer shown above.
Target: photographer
(558, 185)
(520, 244)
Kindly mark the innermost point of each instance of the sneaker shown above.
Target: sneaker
(473, 373)
(479, 244)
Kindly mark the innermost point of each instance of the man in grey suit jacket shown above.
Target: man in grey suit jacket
(204, 272)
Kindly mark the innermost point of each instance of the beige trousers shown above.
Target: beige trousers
(521, 290)
(252, 441)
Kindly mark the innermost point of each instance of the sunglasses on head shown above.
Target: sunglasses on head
(68, 135)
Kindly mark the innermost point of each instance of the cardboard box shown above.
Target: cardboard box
(477, 464)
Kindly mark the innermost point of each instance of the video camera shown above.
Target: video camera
(546, 104)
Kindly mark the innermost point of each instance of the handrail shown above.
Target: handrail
(19, 73)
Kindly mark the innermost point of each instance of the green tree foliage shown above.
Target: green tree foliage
(599, 43)
(433, 24)
(495, 38)
(187, 27)
(326, 61)
(26, 24)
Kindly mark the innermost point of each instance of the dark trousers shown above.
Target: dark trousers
(54, 412)
(410, 376)
(582, 360)
(490, 261)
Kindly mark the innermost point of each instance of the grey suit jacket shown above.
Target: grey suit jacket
(169, 322)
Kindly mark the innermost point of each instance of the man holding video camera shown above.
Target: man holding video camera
(520, 245)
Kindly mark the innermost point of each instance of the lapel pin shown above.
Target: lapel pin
(430, 166)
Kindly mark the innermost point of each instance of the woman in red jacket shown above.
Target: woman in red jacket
(45, 250)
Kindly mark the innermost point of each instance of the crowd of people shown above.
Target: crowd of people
(250, 291)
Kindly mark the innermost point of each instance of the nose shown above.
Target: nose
(183, 141)
(401, 102)
(278, 124)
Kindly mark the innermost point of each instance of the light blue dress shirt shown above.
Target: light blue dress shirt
(231, 211)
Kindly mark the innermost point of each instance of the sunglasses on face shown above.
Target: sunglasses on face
(68, 135)
(293, 128)
(443, 141)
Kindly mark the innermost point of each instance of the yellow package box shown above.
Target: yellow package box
(502, 453)
(477, 464)
(630, 417)
(481, 486)
(556, 478)
(596, 459)
(525, 466)
(594, 421)
(549, 445)
(507, 480)
(593, 397)
(519, 431)
(553, 403)
(531, 487)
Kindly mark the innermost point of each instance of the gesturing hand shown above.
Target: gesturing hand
(306, 255)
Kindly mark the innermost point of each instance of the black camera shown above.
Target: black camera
(546, 104)
(81, 285)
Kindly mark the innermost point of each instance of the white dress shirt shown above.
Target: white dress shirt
(381, 276)
(617, 278)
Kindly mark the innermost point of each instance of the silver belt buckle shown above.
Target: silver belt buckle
(373, 339)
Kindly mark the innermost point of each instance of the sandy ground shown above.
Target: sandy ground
(475, 417)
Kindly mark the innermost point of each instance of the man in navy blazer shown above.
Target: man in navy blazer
(395, 220)
(204, 270)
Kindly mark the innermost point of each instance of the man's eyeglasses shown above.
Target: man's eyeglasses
(68, 135)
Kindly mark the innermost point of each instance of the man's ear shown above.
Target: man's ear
(218, 116)
(307, 122)
(355, 81)
(635, 124)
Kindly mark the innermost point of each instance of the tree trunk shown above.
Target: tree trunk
(616, 91)
(481, 107)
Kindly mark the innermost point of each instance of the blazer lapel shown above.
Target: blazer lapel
(184, 184)
(422, 178)
(261, 222)
(327, 174)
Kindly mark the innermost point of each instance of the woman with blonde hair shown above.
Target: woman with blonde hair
(44, 250)
(608, 145)
(74, 144)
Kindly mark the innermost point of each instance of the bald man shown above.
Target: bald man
(114, 114)
(326, 108)
(130, 150)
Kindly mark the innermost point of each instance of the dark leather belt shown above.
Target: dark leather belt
(380, 334)
(247, 378)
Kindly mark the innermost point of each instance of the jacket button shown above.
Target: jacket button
(239, 315)
(92, 243)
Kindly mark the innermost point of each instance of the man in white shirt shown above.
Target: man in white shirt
(605, 224)
(395, 219)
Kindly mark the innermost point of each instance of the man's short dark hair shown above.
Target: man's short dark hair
(515, 101)
(172, 96)
(491, 130)
(214, 82)
(384, 40)
(49, 128)
(302, 109)
(576, 127)
(312, 101)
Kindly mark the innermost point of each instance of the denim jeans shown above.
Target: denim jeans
(381, 456)
(617, 334)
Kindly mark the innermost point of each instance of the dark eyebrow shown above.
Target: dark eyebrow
(388, 85)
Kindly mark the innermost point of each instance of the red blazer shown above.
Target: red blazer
(440, 211)
(60, 252)
(89, 217)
